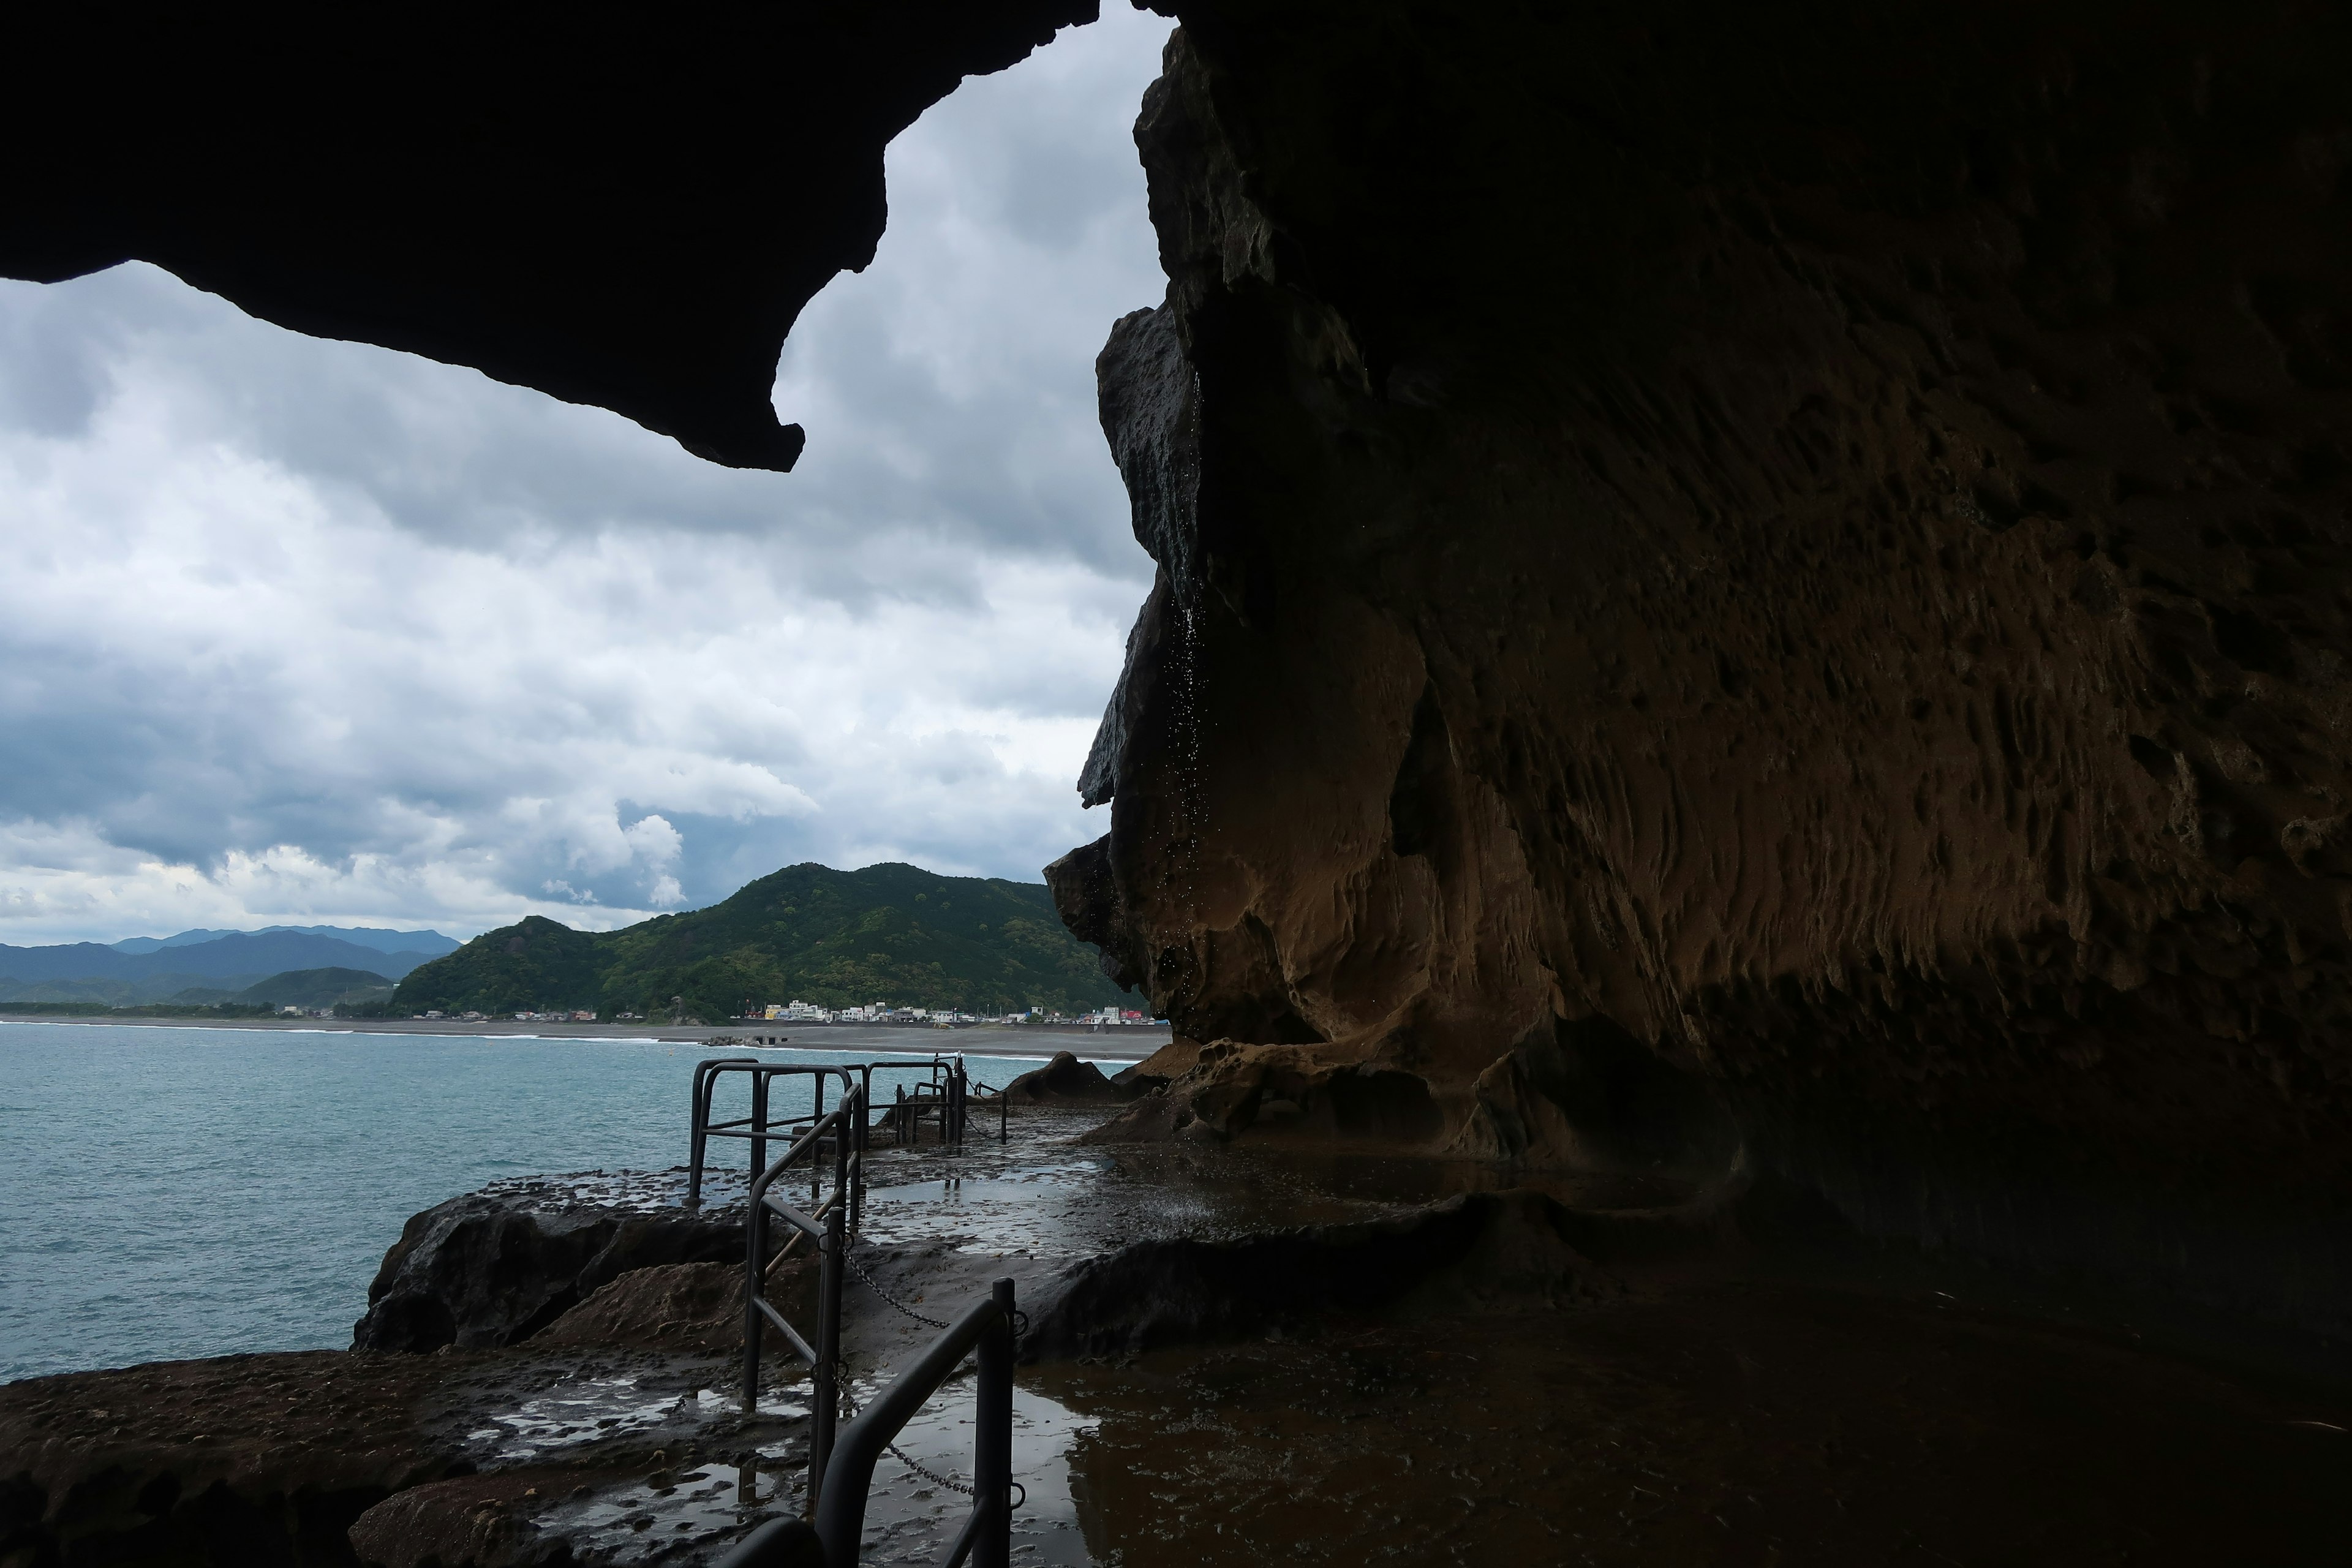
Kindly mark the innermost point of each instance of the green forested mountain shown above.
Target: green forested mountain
(888, 933)
(305, 988)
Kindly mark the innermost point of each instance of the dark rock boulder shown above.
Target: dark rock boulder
(241, 1459)
(1065, 1080)
(494, 1267)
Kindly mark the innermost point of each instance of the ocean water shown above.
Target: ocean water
(172, 1192)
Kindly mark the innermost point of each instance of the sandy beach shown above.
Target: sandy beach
(1120, 1044)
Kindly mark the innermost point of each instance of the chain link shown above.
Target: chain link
(1020, 1328)
(922, 1469)
(929, 1475)
(871, 1284)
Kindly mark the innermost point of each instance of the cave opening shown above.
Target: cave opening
(1740, 710)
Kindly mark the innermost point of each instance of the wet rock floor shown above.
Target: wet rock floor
(1730, 1424)
(1730, 1409)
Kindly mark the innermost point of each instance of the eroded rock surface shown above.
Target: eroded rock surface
(1758, 588)
(1175, 1291)
(494, 1267)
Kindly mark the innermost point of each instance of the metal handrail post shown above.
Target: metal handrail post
(825, 1393)
(816, 1175)
(857, 1155)
(755, 1248)
(992, 1456)
(849, 1471)
(706, 1084)
(697, 1117)
(758, 1122)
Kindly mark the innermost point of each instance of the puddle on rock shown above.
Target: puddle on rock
(633, 1191)
(1035, 1210)
(561, 1409)
(911, 1518)
(690, 1514)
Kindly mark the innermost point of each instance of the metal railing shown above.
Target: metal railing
(944, 1099)
(826, 1223)
(986, 1539)
(947, 1098)
(842, 1460)
(940, 1099)
(757, 1126)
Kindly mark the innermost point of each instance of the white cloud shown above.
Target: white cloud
(302, 631)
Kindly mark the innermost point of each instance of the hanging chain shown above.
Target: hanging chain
(922, 1469)
(871, 1284)
(1020, 1326)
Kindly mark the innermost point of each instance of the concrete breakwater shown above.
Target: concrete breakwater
(1232, 1357)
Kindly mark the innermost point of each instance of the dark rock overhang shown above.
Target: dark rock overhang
(619, 207)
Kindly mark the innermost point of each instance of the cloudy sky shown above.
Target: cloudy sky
(297, 631)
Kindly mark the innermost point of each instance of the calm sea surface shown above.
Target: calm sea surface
(172, 1192)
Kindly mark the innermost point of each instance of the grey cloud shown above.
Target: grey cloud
(942, 389)
(297, 629)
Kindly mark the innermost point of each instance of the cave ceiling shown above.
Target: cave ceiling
(616, 206)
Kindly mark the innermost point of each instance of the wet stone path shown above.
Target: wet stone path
(1721, 1409)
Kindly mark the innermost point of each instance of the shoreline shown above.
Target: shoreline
(1122, 1043)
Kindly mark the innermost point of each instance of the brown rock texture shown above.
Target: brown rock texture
(683, 1307)
(250, 1459)
(1764, 590)
(467, 1521)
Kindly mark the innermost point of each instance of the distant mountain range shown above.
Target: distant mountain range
(431, 943)
(297, 988)
(149, 969)
(888, 933)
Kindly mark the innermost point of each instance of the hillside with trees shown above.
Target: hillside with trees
(891, 933)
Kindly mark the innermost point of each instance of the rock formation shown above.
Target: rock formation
(494, 1267)
(253, 1458)
(609, 209)
(1065, 1080)
(1759, 589)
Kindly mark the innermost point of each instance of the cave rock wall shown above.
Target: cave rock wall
(1759, 591)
